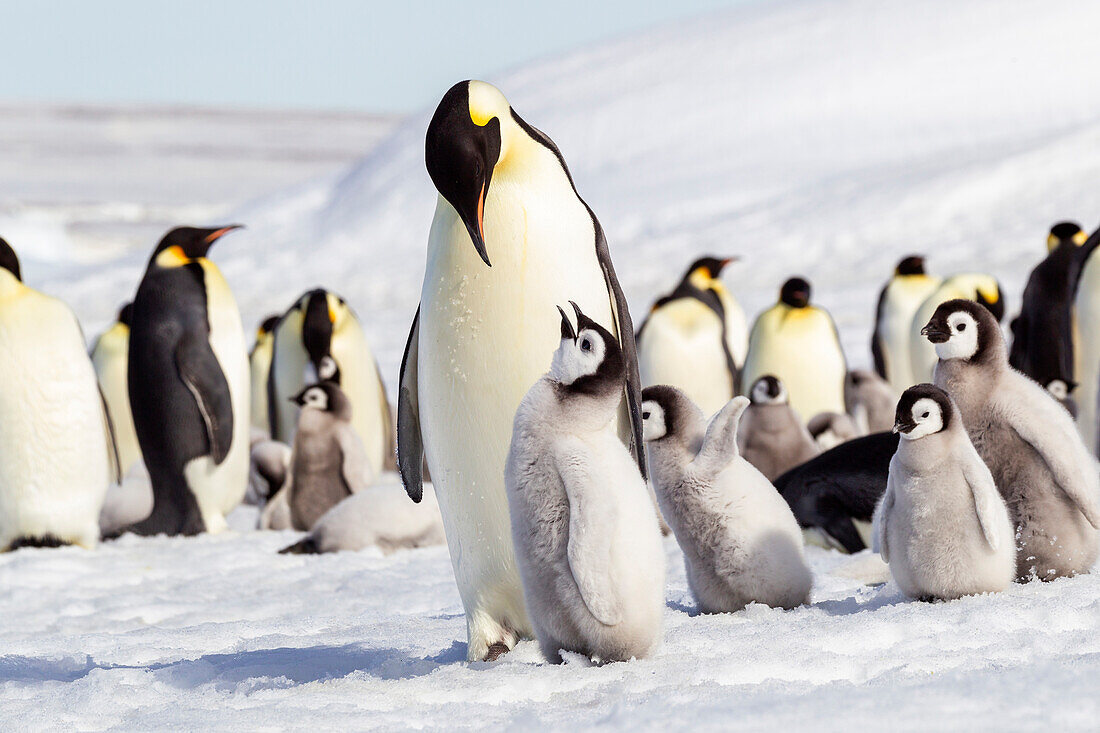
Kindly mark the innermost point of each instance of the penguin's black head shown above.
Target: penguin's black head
(461, 150)
(911, 265)
(268, 324)
(186, 244)
(1066, 231)
(318, 319)
(710, 266)
(126, 314)
(326, 397)
(9, 261)
(923, 409)
(665, 412)
(768, 390)
(795, 293)
(963, 329)
(589, 359)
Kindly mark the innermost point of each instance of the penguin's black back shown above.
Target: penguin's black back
(170, 306)
(842, 484)
(1042, 335)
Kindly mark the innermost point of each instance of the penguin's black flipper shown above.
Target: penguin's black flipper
(410, 443)
(200, 371)
(306, 546)
(876, 338)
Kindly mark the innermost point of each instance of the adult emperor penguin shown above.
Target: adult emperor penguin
(109, 356)
(1047, 477)
(983, 289)
(772, 437)
(941, 525)
(1086, 351)
(55, 451)
(259, 365)
(586, 538)
(1042, 335)
(510, 240)
(798, 343)
(188, 376)
(695, 337)
(321, 339)
(897, 304)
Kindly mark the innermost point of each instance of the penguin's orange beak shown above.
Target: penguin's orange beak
(219, 233)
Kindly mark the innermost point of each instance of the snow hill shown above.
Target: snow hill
(821, 137)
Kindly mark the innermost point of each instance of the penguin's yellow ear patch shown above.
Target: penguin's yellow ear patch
(990, 296)
(172, 257)
(1080, 238)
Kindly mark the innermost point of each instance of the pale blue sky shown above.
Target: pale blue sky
(343, 54)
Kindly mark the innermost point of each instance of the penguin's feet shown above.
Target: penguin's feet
(496, 650)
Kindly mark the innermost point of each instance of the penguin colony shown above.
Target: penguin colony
(537, 428)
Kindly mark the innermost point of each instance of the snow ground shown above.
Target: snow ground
(824, 137)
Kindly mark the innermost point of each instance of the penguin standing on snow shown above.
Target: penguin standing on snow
(1086, 348)
(259, 365)
(110, 355)
(897, 303)
(329, 462)
(586, 538)
(321, 339)
(695, 337)
(741, 543)
(189, 381)
(870, 400)
(55, 439)
(771, 436)
(979, 288)
(510, 240)
(798, 343)
(1044, 472)
(941, 525)
(1042, 335)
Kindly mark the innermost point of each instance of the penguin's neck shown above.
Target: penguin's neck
(925, 455)
(10, 286)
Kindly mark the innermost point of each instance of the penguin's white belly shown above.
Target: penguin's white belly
(111, 364)
(360, 382)
(486, 335)
(259, 368)
(218, 489)
(811, 366)
(683, 348)
(737, 330)
(894, 333)
(53, 447)
(1087, 352)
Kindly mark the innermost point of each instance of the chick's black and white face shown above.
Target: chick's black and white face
(955, 334)
(768, 391)
(327, 368)
(578, 357)
(925, 418)
(316, 398)
(654, 426)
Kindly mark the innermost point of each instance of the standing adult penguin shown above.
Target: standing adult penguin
(798, 343)
(188, 376)
(941, 525)
(259, 366)
(55, 451)
(510, 240)
(772, 437)
(897, 304)
(695, 337)
(110, 355)
(1044, 472)
(1042, 335)
(321, 339)
(979, 288)
(1086, 349)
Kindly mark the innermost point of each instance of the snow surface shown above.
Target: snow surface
(823, 137)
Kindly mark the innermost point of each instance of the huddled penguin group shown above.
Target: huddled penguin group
(957, 458)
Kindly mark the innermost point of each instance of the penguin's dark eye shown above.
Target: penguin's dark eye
(645, 415)
(925, 415)
(961, 327)
(586, 345)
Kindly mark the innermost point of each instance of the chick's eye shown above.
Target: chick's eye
(586, 345)
(925, 415)
(960, 327)
(645, 415)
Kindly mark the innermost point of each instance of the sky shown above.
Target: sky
(324, 54)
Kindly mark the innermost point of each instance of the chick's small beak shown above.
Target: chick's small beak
(935, 334)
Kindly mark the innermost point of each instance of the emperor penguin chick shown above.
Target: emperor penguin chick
(870, 400)
(941, 525)
(1047, 477)
(741, 542)
(328, 463)
(771, 436)
(586, 537)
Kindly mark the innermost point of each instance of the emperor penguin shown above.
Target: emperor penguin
(510, 240)
(941, 525)
(741, 542)
(830, 429)
(259, 365)
(55, 439)
(695, 337)
(1047, 477)
(771, 436)
(983, 289)
(1042, 335)
(109, 356)
(870, 400)
(798, 343)
(189, 383)
(586, 538)
(328, 463)
(897, 304)
(1086, 350)
(833, 495)
(320, 338)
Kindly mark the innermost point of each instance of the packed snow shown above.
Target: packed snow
(826, 138)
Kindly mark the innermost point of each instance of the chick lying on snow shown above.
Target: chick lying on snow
(380, 516)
